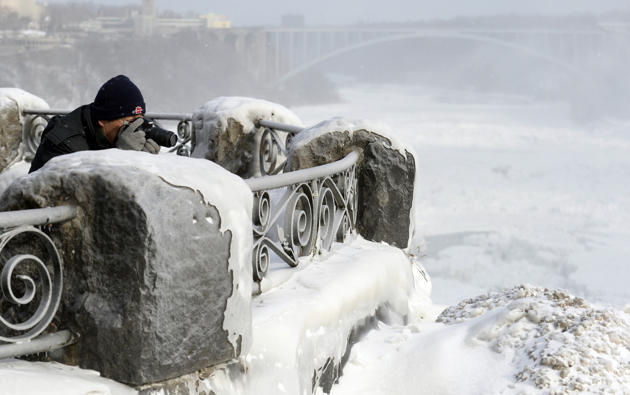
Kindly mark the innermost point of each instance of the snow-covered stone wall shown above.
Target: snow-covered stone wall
(12, 102)
(225, 132)
(157, 262)
(305, 328)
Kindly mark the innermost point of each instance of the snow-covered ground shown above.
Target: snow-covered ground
(22, 377)
(524, 340)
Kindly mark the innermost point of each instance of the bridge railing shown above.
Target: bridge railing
(31, 285)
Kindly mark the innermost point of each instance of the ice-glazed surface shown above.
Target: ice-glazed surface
(306, 320)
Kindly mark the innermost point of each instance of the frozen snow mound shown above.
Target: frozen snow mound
(52, 378)
(559, 343)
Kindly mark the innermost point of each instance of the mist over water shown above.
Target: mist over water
(180, 70)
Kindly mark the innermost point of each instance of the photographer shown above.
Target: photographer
(113, 120)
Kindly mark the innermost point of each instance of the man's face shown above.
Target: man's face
(112, 127)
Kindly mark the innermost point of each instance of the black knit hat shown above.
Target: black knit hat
(117, 98)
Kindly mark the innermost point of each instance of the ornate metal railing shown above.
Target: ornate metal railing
(295, 214)
(298, 213)
(273, 146)
(31, 285)
(35, 122)
(274, 139)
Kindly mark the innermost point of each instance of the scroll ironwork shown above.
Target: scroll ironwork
(299, 213)
(274, 140)
(50, 281)
(31, 278)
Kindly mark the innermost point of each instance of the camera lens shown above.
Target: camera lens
(161, 136)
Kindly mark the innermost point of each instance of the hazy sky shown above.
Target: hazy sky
(267, 12)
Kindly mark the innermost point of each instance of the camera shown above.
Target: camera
(161, 136)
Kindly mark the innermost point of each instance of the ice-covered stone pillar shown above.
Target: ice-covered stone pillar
(225, 132)
(386, 173)
(157, 263)
(12, 102)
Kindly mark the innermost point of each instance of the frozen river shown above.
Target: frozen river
(510, 191)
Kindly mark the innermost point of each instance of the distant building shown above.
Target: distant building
(148, 23)
(145, 22)
(617, 27)
(292, 20)
(140, 19)
(215, 21)
(24, 8)
(149, 8)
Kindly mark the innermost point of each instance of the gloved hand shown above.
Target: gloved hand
(151, 146)
(132, 138)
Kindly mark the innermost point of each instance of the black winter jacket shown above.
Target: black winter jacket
(69, 133)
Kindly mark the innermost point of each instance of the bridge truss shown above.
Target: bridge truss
(295, 50)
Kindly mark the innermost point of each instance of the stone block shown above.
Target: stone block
(12, 102)
(385, 172)
(225, 132)
(157, 263)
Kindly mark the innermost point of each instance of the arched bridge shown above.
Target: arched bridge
(291, 51)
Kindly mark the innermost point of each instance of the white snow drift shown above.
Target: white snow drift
(522, 340)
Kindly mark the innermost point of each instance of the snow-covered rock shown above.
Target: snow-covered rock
(157, 263)
(386, 173)
(13, 172)
(225, 132)
(12, 102)
(523, 340)
(558, 342)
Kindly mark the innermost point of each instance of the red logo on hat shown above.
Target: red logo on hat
(138, 110)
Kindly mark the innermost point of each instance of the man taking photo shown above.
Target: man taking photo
(113, 120)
